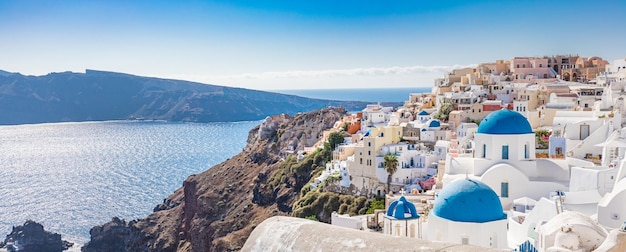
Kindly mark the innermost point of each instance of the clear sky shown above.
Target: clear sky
(299, 44)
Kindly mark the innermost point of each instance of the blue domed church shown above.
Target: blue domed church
(468, 211)
(504, 159)
(401, 219)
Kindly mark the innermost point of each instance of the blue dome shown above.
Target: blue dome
(401, 209)
(467, 200)
(504, 122)
(434, 124)
(423, 113)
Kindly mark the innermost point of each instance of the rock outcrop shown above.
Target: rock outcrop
(217, 210)
(32, 237)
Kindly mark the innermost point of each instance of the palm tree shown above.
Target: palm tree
(391, 166)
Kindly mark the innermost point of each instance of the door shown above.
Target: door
(584, 131)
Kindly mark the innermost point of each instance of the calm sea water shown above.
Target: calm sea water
(72, 176)
(366, 94)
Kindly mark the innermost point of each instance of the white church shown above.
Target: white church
(504, 159)
(467, 211)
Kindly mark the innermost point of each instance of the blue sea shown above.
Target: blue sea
(73, 176)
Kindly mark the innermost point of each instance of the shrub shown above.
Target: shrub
(312, 217)
(376, 204)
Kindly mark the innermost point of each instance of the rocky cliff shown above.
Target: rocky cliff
(217, 210)
(99, 95)
(32, 237)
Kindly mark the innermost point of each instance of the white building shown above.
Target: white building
(612, 206)
(402, 219)
(468, 212)
(423, 116)
(345, 220)
(413, 165)
(375, 114)
(570, 231)
(523, 225)
(504, 159)
(466, 130)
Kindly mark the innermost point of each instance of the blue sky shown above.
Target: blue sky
(299, 44)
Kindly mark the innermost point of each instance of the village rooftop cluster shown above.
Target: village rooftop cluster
(526, 154)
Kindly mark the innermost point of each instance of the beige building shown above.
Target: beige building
(343, 152)
(457, 117)
(584, 69)
(455, 76)
(362, 165)
(530, 95)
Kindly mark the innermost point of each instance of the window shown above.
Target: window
(540, 65)
(369, 143)
(361, 161)
(505, 152)
(369, 153)
(526, 151)
(484, 150)
(523, 65)
(504, 189)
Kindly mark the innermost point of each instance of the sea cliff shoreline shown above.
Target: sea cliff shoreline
(217, 209)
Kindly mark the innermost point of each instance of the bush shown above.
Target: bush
(312, 217)
(324, 203)
(376, 204)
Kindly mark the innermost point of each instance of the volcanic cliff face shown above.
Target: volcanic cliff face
(218, 209)
(98, 95)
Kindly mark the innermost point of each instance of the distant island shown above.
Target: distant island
(99, 95)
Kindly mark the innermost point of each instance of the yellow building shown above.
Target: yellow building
(362, 167)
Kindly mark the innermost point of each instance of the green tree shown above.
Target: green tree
(335, 139)
(391, 166)
(444, 112)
